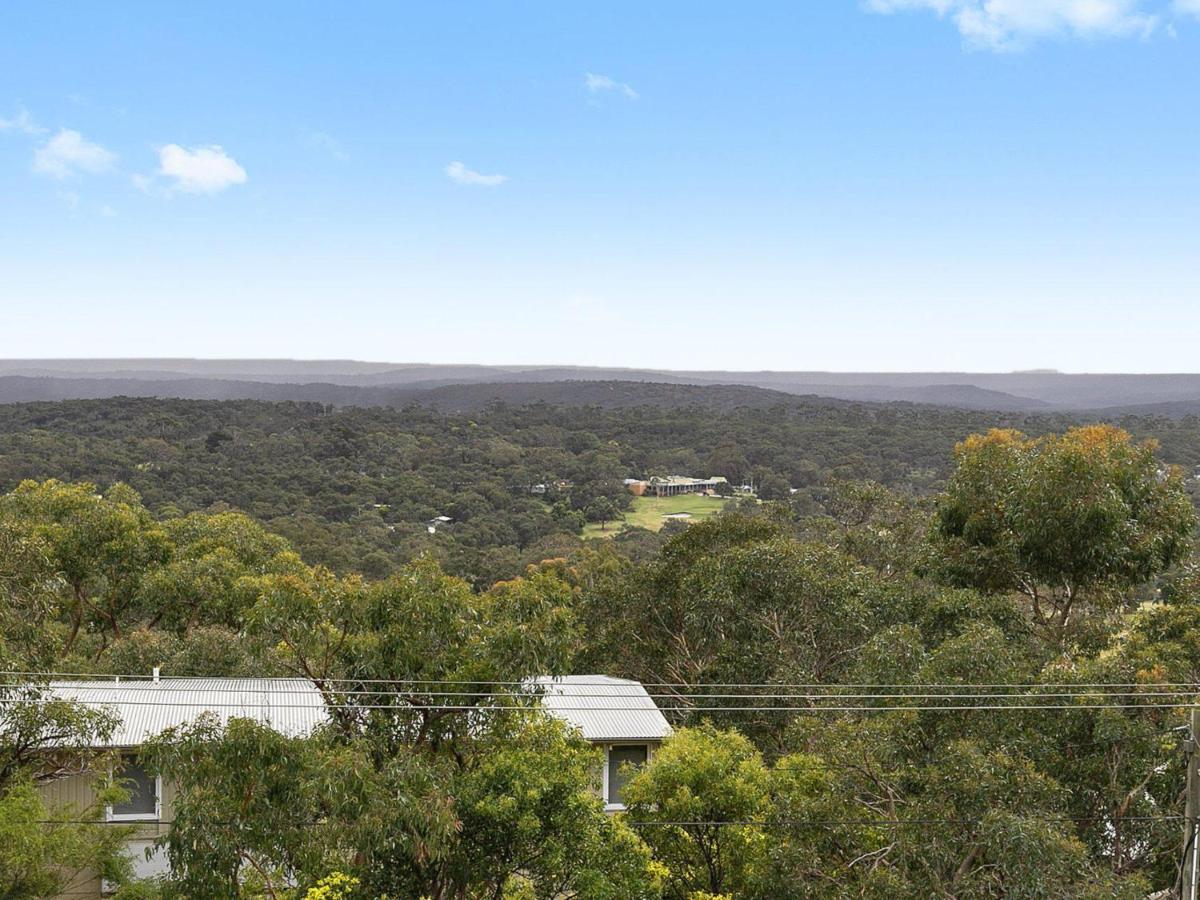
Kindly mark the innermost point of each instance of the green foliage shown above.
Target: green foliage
(43, 737)
(243, 806)
(702, 776)
(29, 588)
(417, 626)
(344, 485)
(96, 575)
(1067, 520)
(100, 546)
(528, 805)
(41, 740)
(337, 886)
(1039, 564)
(256, 811)
(42, 851)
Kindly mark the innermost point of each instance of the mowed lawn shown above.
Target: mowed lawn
(648, 512)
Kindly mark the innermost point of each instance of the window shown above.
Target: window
(143, 788)
(622, 760)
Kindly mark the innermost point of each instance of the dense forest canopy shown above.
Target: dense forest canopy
(823, 657)
(354, 488)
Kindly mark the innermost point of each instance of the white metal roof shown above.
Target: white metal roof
(604, 708)
(600, 707)
(292, 706)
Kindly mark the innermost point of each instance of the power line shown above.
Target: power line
(558, 707)
(538, 691)
(142, 677)
(840, 823)
(624, 701)
(698, 823)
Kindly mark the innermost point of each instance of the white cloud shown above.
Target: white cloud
(68, 154)
(460, 174)
(1188, 7)
(598, 84)
(1010, 24)
(22, 123)
(200, 170)
(108, 212)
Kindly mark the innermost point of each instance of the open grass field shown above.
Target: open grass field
(648, 512)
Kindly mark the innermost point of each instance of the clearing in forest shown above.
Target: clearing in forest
(648, 512)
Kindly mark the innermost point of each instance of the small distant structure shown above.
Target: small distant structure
(537, 489)
(672, 485)
(678, 517)
(437, 522)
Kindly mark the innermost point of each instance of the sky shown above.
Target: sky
(880, 185)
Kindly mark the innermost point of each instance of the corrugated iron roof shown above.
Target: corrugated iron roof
(600, 707)
(588, 701)
(292, 706)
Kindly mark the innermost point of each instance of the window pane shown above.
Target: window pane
(142, 798)
(622, 761)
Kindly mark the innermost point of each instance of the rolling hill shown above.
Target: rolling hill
(349, 382)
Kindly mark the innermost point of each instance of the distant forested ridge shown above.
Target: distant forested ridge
(355, 488)
(350, 382)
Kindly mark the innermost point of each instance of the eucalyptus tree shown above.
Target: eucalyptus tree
(1072, 522)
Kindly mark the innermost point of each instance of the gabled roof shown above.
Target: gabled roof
(600, 707)
(604, 708)
(292, 706)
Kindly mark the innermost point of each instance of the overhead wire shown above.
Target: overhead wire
(561, 707)
(603, 681)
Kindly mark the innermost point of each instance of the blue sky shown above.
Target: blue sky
(976, 185)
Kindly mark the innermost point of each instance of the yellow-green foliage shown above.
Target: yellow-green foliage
(335, 886)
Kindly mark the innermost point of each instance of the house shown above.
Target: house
(617, 715)
(292, 706)
(671, 485)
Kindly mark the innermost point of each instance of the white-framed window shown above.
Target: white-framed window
(145, 794)
(619, 762)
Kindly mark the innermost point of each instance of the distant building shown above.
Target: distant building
(670, 485)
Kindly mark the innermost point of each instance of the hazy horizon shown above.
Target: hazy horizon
(414, 363)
